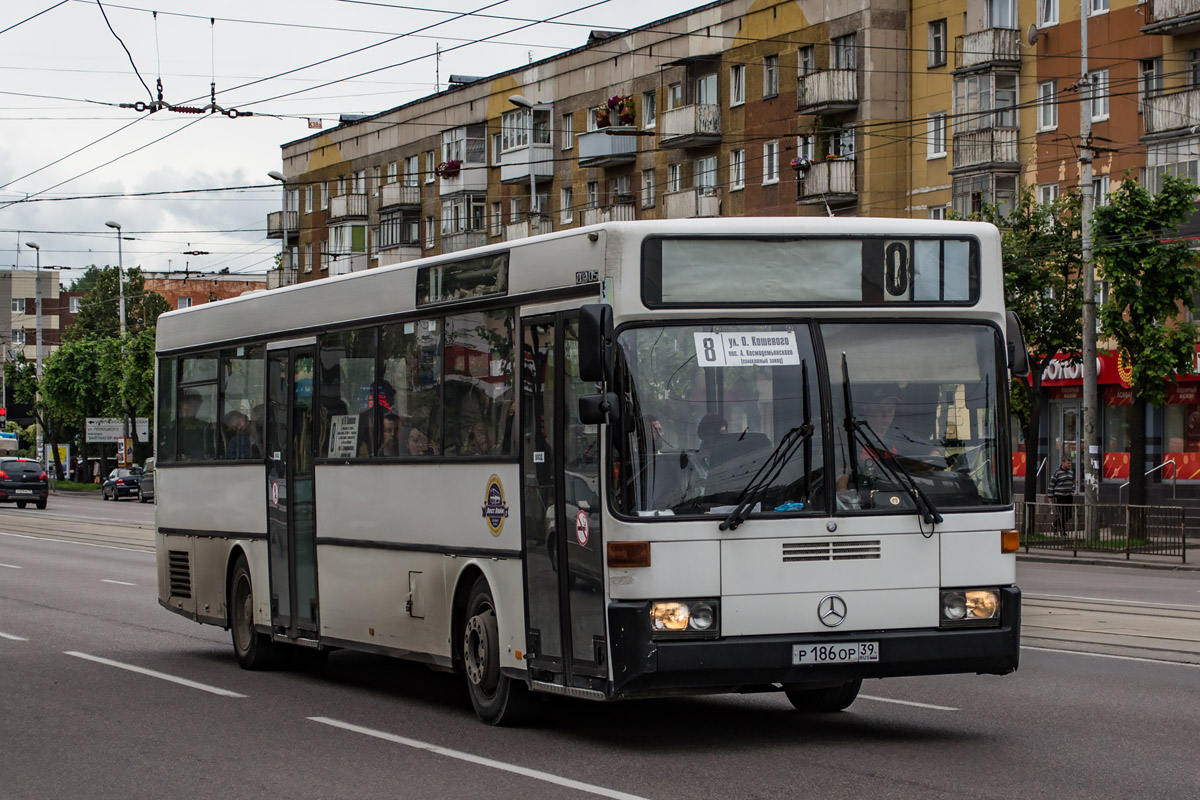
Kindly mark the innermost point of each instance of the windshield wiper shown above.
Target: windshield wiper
(776, 461)
(861, 432)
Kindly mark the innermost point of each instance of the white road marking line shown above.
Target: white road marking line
(1109, 655)
(118, 583)
(9, 566)
(1140, 603)
(153, 674)
(74, 541)
(13, 638)
(481, 761)
(907, 703)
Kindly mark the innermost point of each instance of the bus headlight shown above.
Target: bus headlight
(970, 607)
(684, 618)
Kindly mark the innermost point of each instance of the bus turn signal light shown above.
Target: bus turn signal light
(629, 554)
(1010, 541)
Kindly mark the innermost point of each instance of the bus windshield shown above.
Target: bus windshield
(705, 407)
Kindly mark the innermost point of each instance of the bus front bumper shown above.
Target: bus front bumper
(643, 666)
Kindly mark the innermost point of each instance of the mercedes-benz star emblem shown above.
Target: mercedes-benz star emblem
(831, 610)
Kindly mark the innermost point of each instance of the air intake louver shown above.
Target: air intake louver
(179, 564)
(836, 550)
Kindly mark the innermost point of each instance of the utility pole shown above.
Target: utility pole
(1091, 447)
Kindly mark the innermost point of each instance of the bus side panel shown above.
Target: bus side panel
(974, 559)
(176, 578)
(505, 578)
(225, 498)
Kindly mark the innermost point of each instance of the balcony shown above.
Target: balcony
(827, 91)
(453, 242)
(398, 254)
(600, 148)
(275, 225)
(617, 212)
(515, 164)
(988, 46)
(520, 230)
(471, 178)
(348, 206)
(1173, 17)
(1177, 111)
(829, 181)
(397, 195)
(985, 149)
(692, 203)
(690, 126)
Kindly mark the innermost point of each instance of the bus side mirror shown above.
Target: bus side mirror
(595, 409)
(1018, 356)
(595, 343)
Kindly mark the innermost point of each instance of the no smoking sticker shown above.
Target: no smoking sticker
(581, 527)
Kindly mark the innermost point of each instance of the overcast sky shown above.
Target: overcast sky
(68, 147)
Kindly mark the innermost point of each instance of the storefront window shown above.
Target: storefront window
(1181, 431)
(1118, 413)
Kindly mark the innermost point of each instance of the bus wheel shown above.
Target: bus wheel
(254, 650)
(497, 698)
(824, 700)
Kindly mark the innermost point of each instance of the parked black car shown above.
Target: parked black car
(146, 494)
(23, 480)
(122, 482)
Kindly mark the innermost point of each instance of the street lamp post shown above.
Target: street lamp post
(285, 273)
(120, 275)
(523, 102)
(37, 310)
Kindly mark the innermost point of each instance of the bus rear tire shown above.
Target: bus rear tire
(824, 700)
(497, 698)
(254, 650)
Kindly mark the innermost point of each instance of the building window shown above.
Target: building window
(497, 147)
(412, 171)
(318, 258)
(1097, 7)
(737, 85)
(977, 96)
(516, 210)
(391, 172)
(1100, 191)
(1047, 105)
(706, 90)
(18, 305)
(1047, 193)
(674, 177)
(398, 229)
(806, 147)
(937, 43)
(844, 53)
(325, 195)
(1150, 83)
(770, 76)
(1003, 13)
(184, 302)
(308, 194)
(376, 182)
(514, 129)
(497, 219)
(1178, 157)
(566, 205)
(593, 123)
(649, 109)
(805, 62)
(737, 170)
(429, 233)
(648, 188)
(18, 336)
(935, 142)
(841, 143)
(935, 212)
(1193, 73)
(969, 193)
(1047, 13)
(593, 194)
(674, 96)
(568, 131)
(430, 166)
(74, 305)
(770, 162)
(704, 174)
(1097, 94)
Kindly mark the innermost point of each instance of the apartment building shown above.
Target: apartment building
(18, 293)
(184, 289)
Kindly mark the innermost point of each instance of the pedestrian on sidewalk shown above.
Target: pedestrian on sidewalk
(1062, 494)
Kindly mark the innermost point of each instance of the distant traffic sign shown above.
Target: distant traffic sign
(112, 429)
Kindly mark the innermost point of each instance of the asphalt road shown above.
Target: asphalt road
(104, 694)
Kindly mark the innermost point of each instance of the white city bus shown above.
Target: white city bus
(629, 460)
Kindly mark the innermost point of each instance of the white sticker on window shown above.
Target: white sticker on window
(758, 349)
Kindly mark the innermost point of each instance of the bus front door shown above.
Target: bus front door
(564, 549)
(290, 513)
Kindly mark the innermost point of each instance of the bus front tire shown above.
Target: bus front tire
(823, 700)
(254, 650)
(497, 698)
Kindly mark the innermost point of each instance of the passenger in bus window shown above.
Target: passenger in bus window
(389, 446)
(238, 441)
(414, 442)
(380, 398)
(478, 440)
(709, 431)
(196, 442)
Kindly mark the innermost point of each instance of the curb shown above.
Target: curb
(1092, 561)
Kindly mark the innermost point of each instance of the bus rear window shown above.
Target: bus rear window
(809, 270)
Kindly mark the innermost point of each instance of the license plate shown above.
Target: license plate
(844, 653)
(24, 491)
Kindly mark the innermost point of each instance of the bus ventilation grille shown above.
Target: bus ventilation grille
(179, 565)
(839, 550)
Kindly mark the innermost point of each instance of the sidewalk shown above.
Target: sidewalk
(1137, 561)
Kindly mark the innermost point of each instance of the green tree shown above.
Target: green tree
(21, 375)
(74, 382)
(1151, 280)
(1042, 256)
(99, 310)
